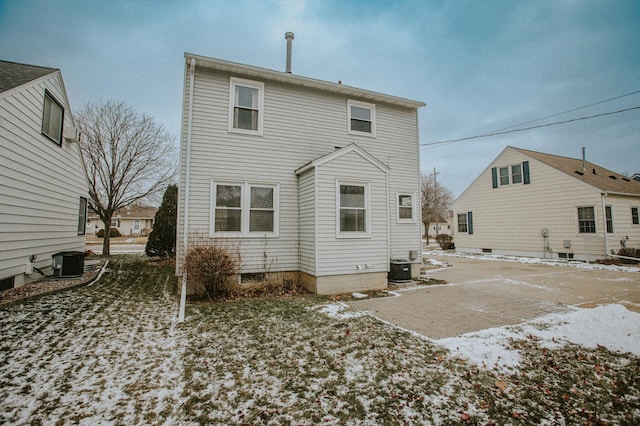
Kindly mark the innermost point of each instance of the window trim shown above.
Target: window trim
(233, 82)
(608, 218)
(365, 105)
(595, 219)
(398, 207)
(466, 223)
(49, 96)
(245, 210)
(367, 206)
(82, 216)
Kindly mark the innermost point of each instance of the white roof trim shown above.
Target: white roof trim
(283, 77)
(339, 153)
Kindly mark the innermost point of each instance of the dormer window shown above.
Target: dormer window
(362, 118)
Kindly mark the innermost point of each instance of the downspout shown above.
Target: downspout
(604, 220)
(187, 173)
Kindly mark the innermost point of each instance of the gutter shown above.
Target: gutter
(185, 234)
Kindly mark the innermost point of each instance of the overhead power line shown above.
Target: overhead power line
(503, 132)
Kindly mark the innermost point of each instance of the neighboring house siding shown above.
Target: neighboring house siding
(510, 219)
(299, 126)
(42, 182)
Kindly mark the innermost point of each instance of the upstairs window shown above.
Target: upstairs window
(586, 220)
(246, 106)
(635, 219)
(361, 118)
(510, 175)
(52, 118)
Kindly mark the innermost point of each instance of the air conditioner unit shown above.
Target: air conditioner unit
(71, 134)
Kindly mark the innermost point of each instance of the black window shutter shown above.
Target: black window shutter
(470, 223)
(494, 177)
(525, 173)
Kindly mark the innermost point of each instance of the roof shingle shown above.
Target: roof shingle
(599, 177)
(13, 74)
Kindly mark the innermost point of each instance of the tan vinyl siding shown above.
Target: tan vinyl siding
(42, 182)
(509, 219)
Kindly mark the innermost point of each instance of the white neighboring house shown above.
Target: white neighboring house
(529, 203)
(130, 220)
(43, 190)
(309, 177)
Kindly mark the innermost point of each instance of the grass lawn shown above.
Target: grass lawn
(113, 353)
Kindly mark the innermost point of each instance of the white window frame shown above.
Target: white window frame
(595, 220)
(367, 206)
(608, 219)
(508, 175)
(637, 209)
(521, 174)
(459, 223)
(365, 105)
(399, 207)
(245, 210)
(233, 82)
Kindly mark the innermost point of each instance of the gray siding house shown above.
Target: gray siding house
(529, 203)
(43, 185)
(309, 177)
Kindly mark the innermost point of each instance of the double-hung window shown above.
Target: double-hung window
(516, 173)
(246, 104)
(353, 211)
(511, 175)
(586, 220)
(635, 219)
(405, 208)
(462, 223)
(504, 176)
(244, 209)
(362, 118)
(52, 118)
(609, 219)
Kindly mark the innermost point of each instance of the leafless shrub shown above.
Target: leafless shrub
(212, 267)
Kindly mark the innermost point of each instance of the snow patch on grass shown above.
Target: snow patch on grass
(610, 326)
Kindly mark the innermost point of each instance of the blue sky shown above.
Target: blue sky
(480, 66)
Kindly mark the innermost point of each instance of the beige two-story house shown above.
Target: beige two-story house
(310, 177)
(529, 203)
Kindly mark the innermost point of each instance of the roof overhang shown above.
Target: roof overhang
(287, 78)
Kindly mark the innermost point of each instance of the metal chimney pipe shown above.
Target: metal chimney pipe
(584, 159)
(289, 37)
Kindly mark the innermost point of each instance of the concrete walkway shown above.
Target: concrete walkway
(483, 294)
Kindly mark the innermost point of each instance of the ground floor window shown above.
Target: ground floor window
(609, 217)
(586, 220)
(405, 208)
(634, 216)
(244, 208)
(462, 223)
(352, 208)
(82, 216)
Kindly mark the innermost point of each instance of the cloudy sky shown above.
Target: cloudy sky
(480, 66)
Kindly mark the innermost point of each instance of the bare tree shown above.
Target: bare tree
(436, 200)
(127, 156)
